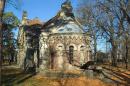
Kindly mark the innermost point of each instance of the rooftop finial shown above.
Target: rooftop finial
(67, 0)
(24, 14)
(24, 17)
(66, 6)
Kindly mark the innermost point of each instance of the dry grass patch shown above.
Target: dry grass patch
(81, 81)
(14, 77)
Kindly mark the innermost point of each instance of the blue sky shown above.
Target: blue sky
(44, 10)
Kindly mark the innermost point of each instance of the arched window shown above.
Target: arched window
(82, 48)
(60, 47)
(71, 52)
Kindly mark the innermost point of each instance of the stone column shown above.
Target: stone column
(88, 55)
(43, 50)
(60, 59)
(81, 57)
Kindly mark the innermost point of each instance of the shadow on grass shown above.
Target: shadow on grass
(115, 81)
(61, 75)
(11, 76)
(118, 74)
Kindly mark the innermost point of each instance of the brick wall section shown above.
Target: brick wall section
(64, 41)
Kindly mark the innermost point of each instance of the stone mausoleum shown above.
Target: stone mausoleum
(60, 43)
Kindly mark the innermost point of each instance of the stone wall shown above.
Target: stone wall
(58, 46)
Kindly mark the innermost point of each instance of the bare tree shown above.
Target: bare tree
(110, 19)
(87, 16)
(120, 13)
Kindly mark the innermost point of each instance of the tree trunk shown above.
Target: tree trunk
(2, 6)
(126, 54)
(95, 49)
(114, 55)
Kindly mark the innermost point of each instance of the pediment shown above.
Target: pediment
(70, 27)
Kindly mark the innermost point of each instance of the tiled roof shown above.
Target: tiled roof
(34, 22)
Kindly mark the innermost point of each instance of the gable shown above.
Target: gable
(68, 28)
(63, 22)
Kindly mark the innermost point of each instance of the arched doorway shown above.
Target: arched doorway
(71, 53)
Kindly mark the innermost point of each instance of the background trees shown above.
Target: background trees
(10, 22)
(87, 16)
(110, 20)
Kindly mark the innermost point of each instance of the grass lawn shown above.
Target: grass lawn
(15, 77)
